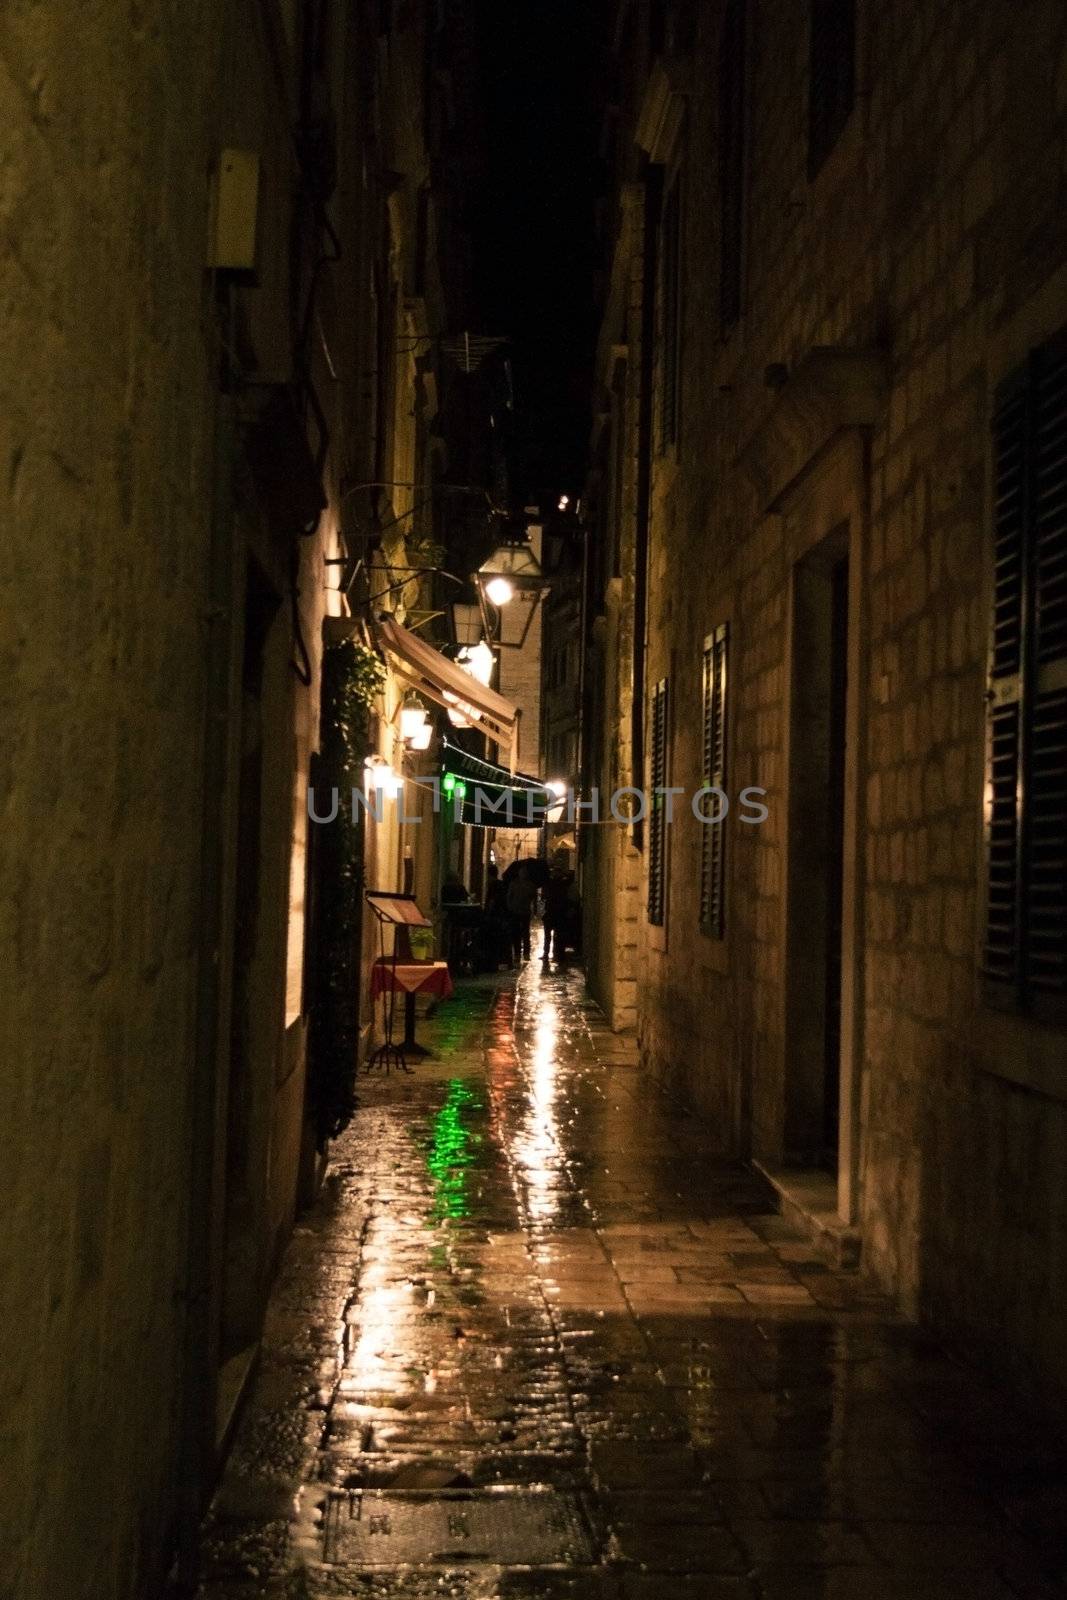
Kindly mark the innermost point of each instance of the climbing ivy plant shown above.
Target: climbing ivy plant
(352, 677)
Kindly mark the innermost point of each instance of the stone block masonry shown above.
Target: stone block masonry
(170, 534)
(105, 494)
(928, 245)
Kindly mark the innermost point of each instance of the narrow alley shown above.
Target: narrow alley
(532, 1342)
(533, 800)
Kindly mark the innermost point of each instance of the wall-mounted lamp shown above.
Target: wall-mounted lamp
(478, 660)
(413, 719)
(466, 623)
(380, 775)
(558, 789)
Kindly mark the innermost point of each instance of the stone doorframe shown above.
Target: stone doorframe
(824, 518)
(810, 465)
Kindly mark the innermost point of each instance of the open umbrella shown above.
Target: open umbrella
(539, 870)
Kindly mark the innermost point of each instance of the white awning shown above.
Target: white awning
(432, 674)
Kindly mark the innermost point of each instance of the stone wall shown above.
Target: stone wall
(159, 724)
(105, 503)
(929, 252)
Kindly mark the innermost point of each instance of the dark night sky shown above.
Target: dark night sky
(534, 230)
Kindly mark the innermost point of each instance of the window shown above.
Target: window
(657, 807)
(670, 316)
(657, 28)
(831, 76)
(713, 776)
(1025, 947)
(732, 113)
(671, 26)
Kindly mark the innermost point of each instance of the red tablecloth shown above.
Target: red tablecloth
(411, 977)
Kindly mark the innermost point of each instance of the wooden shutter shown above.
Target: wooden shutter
(657, 806)
(831, 76)
(1045, 837)
(732, 115)
(1003, 823)
(713, 835)
(1025, 954)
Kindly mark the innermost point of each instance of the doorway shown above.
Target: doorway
(241, 1289)
(818, 768)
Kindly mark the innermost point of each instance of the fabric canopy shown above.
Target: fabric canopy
(494, 798)
(432, 674)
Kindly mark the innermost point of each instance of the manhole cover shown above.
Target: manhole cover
(526, 1527)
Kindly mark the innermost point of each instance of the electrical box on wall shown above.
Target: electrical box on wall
(234, 206)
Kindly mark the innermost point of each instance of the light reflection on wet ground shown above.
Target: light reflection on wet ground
(536, 1342)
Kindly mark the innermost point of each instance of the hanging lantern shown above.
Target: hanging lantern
(413, 719)
(511, 576)
(479, 661)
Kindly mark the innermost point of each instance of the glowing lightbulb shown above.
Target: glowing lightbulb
(412, 720)
(500, 591)
(478, 660)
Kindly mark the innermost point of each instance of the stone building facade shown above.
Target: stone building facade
(823, 478)
(217, 230)
(561, 672)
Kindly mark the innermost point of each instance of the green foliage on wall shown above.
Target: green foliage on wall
(352, 677)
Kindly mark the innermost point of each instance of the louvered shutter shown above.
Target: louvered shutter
(657, 835)
(1045, 838)
(1003, 830)
(1025, 955)
(713, 835)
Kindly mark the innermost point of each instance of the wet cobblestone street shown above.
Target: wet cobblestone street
(534, 1342)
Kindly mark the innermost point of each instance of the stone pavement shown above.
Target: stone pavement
(534, 1344)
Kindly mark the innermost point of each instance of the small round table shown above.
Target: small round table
(408, 978)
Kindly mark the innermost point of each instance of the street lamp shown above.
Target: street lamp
(413, 719)
(478, 660)
(466, 624)
(380, 776)
(511, 574)
(558, 790)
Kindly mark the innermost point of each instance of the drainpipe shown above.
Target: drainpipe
(199, 1293)
(653, 195)
(585, 635)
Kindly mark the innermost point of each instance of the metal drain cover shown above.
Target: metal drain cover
(507, 1527)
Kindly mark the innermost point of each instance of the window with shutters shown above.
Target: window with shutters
(670, 316)
(732, 113)
(657, 807)
(831, 76)
(1025, 947)
(713, 776)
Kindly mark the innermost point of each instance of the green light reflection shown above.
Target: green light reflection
(453, 1151)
